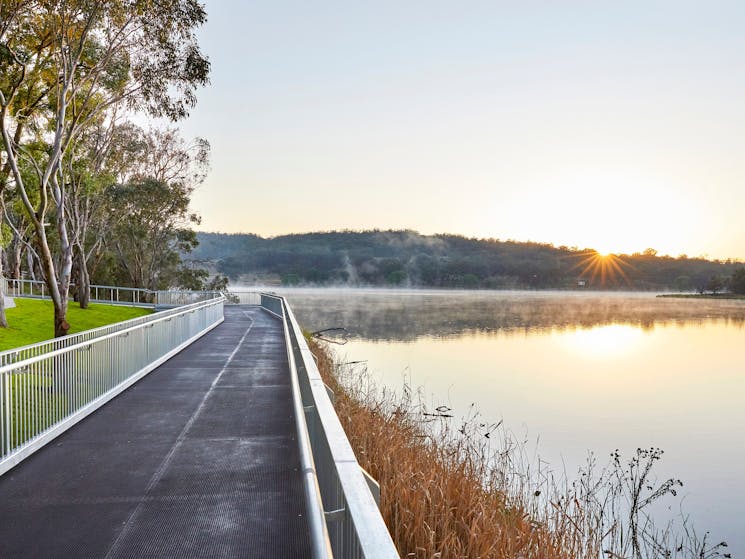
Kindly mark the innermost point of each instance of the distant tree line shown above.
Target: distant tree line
(407, 258)
(736, 283)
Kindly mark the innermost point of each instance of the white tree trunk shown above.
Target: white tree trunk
(3, 318)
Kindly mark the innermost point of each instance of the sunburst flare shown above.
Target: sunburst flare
(605, 268)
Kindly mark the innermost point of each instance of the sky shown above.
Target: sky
(618, 126)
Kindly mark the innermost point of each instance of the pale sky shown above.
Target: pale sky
(612, 125)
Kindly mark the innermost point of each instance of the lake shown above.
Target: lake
(569, 373)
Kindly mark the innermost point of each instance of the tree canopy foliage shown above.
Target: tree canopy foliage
(737, 282)
(70, 73)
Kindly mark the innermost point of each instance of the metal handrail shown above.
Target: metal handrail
(335, 484)
(44, 395)
(135, 296)
(166, 298)
(320, 542)
(37, 289)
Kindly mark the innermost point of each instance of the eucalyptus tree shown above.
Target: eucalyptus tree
(84, 57)
(147, 243)
(153, 224)
(4, 241)
(112, 162)
(163, 155)
(101, 155)
(26, 98)
(20, 251)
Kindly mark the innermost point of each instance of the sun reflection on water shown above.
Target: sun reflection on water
(604, 342)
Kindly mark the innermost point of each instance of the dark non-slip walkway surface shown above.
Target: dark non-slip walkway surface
(198, 459)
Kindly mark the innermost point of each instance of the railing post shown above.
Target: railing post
(6, 408)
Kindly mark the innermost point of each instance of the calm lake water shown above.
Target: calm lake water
(570, 373)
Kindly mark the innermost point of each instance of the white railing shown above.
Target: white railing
(121, 295)
(135, 296)
(242, 297)
(342, 511)
(44, 395)
(179, 298)
(36, 289)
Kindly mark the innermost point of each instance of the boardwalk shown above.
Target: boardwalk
(198, 459)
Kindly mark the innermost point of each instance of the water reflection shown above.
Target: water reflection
(383, 315)
(605, 342)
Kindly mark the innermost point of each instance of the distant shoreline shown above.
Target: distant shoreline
(702, 296)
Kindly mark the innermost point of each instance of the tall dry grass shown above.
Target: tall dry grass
(464, 489)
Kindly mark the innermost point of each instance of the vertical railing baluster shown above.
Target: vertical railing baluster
(8, 406)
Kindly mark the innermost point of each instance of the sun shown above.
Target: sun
(607, 268)
(604, 250)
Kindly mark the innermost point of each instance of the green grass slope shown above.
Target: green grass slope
(31, 320)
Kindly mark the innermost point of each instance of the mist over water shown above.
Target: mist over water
(569, 373)
(405, 315)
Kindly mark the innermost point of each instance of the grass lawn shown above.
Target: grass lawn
(32, 320)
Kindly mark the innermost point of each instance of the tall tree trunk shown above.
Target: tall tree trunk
(57, 291)
(3, 318)
(84, 279)
(61, 279)
(17, 257)
(3, 179)
(31, 263)
(61, 326)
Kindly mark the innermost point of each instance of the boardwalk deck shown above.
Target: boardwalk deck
(198, 459)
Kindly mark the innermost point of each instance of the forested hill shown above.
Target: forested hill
(406, 258)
